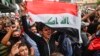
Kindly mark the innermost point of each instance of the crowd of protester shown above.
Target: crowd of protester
(19, 38)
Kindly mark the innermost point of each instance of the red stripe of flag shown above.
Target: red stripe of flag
(40, 7)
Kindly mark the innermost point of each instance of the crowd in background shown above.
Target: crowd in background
(19, 38)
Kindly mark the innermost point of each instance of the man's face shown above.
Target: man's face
(33, 29)
(46, 32)
(23, 51)
(16, 34)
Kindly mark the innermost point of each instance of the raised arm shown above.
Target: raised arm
(88, 15)
(15, 49)
(6, 38)
(25, 25)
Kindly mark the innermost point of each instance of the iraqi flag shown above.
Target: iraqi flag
(56, 15)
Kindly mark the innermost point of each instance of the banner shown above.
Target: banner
(55, 14)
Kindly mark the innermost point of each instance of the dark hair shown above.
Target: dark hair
(34, 25)
(22, 44)
(40, 26)
(92, 17)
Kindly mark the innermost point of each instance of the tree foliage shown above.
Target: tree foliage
(98, 2)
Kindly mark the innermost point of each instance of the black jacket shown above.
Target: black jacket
(45, 48)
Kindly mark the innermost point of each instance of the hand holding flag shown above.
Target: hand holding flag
(22, 8)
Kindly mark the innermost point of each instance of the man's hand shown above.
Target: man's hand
(15, 49)
(22, 8)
